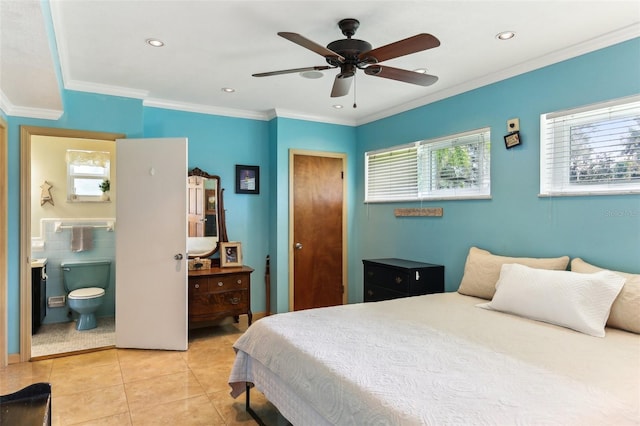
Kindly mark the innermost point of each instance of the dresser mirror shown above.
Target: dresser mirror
(206, 224)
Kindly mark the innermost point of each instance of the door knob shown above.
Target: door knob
(178, 256)
(298, 246)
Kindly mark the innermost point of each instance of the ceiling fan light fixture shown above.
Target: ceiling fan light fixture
(312, 75)
(347, 74)
(154, 42)
(506, 35)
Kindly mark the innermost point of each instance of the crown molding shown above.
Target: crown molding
(105, 89)
(283, 113)
(205, 109)
(18, 111)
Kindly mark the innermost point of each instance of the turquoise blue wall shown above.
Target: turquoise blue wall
(312, 136)
(604, 230)
(216, 145)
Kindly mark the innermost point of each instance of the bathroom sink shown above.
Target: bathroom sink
(38, 262)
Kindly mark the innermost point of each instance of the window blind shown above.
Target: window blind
(591, 150)
(392, 175)
(455, 166)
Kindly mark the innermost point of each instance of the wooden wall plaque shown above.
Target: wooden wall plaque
(428, 211)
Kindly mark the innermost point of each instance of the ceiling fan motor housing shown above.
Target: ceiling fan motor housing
(350, 49)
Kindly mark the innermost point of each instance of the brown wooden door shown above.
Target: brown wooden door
(317, 189)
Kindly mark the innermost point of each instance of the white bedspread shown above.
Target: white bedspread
(438, 360)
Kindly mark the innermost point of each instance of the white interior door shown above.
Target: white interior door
(151, 231)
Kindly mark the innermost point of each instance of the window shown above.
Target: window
(86, 170)
(456, 166)
(594, 150)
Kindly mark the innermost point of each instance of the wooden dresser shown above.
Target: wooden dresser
(218, 293)
(393, 278)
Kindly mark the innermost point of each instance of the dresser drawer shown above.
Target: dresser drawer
(217, 303)
(198, 285)
(229, 301)
(228, 282)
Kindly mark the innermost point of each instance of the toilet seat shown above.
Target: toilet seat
(86, 293)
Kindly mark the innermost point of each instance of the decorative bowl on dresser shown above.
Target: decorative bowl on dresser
(393, 278)
(217, 293)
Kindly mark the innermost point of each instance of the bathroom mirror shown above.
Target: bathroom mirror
(206, 224)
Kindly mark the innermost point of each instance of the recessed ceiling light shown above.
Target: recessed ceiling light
(311, 74)
(337, 106)
(228, 90)
(155, 42)
(506, 35)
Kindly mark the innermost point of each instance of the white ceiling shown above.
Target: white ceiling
(214, 44)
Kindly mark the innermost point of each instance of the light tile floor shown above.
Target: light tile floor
(63, 337)
(145, 387)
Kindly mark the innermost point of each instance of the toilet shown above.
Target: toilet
(85, 283)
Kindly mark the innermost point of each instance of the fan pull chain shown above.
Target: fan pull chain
(354, 91)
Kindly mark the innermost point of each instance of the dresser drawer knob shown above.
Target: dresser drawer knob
(398, 280)
(220, 283)
(370, 292)
(197, 286)
(239, 281)
(235, 300)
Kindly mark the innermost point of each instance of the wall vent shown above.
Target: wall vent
(57, 301)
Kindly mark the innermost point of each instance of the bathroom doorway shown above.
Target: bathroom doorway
(58, 336)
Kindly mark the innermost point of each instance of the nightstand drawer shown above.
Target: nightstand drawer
(390, 278)
(373, 293)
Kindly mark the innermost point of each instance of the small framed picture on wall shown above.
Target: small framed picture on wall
(512, 139)
(230, 254)
(247, 179)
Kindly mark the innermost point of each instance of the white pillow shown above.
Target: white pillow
(578, 301)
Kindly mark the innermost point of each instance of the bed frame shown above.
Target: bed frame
(250, 410)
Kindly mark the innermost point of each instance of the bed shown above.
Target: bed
(441, 359)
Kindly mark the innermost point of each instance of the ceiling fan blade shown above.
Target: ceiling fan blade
(291, 71)
(341, 85)
(311, 45)
(407, 46)
(401, 75)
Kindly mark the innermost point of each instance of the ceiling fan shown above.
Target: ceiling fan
(351, 54)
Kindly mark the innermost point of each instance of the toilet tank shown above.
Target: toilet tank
(85, 274)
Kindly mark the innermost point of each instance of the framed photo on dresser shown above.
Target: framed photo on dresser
(230, 254)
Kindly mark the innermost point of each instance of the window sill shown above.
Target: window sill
(418, 200)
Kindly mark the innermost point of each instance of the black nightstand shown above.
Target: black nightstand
(393, 278)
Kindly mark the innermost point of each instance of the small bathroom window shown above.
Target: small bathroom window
(86, 172)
